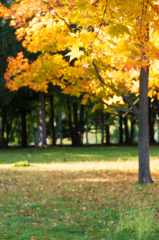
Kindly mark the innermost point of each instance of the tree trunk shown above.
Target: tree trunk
(101, 126)
(76, 125)
(87, 126)
(23, 122)
(120, 129)
(52, 120)
(96, 128)
(107, 134)
(132, 131)
(126, 130)
(81, 123)
(107, 129)
(151, 123)
(143, 141)
(42, 119)
(70, 123)
(60, 127)
(4, 124)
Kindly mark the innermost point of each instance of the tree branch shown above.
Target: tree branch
(118, 108)
(114, 68)
(4, 32)
(109, 105)
(97, 71)
(153, 6)
(105, 9)
(95, 2)
(64, 21)
(132, 104)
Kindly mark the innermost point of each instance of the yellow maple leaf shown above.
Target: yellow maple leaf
(75, 53)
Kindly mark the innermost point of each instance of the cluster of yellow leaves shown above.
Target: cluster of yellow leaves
(36, 75)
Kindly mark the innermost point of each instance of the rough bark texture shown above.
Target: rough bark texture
(42, 120)
(143, 141)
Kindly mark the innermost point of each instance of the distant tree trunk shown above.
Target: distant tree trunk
(126, 130)
(4, 123)
(60, 127)
(120, 129)
(102, 130)
(143, 141)
(82, 116)
(151, 124)
(87, 127)
(77, 126)
(42, 119)
(52, 120)
(7, 127)
(81, 123)
(1, 135)
(107, 129)
(132, 131)
(23, 122)
(96, 128)
(70, 123)
(7, 120)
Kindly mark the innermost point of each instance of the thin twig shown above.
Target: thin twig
(64, 21)
(101, 21)
(97, 71)
(118, 108)
(109, 105)
(153, 6)
(95, 2)
(4, 32)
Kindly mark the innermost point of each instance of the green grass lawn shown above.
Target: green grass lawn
(77, 193)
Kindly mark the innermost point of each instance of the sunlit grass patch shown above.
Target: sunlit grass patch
(138, 223)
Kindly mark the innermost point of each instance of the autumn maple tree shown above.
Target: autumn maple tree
(113, 46)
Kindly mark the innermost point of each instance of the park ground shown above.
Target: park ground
(77, 194)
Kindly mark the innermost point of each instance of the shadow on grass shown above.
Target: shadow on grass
(68, 154)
